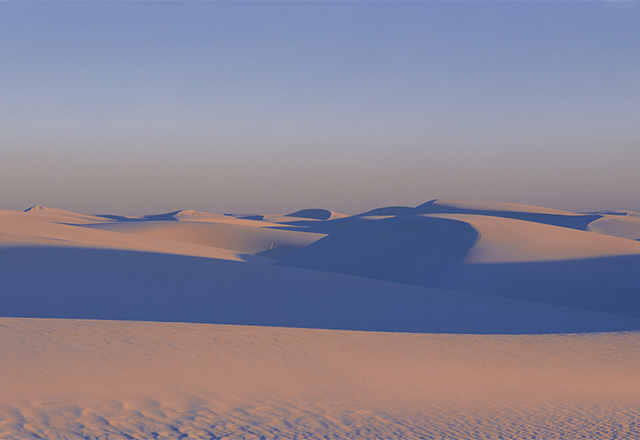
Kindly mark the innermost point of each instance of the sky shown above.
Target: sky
(255, 107)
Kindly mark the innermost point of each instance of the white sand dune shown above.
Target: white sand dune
(78, 379)
(502, 321)
(44, 213)
(234, 236)
(487, 207)
(61, 282)
(504, 240)
(487, 251)
(509, 210)
(489, 254)
(625, 226)
(62, 229)
(184, 232)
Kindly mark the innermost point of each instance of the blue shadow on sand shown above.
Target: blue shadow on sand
(81, 283)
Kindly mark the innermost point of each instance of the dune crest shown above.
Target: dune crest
(468, 206)
(534, 214)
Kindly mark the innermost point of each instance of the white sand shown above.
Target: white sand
(503, 301)
(109, 379)
(625, 226)
(538, 255)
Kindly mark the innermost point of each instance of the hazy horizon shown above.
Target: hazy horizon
(136, 108)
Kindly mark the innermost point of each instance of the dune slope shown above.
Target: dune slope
(493, 255)
(233, 236)
(62, 282)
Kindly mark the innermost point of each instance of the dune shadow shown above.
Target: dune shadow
(329, 226)
(169, 216)
(403, 248)
(606, 284)
(256, 217)
(118, 218)
(322, 227)
(312, 213)
(389, 210)
(81, 283)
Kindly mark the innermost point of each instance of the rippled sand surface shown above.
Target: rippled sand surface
(77, 379)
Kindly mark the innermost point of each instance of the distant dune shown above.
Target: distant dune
(496, 249)
(452, 319)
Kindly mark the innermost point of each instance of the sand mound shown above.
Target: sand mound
(391, 248)
(175, 215)
(35, 209)
(397, 242)
(496, 208)
(234, 236)
(44, 213)
(625, 226)
(504, 240)
(64, 229)
(489, 255)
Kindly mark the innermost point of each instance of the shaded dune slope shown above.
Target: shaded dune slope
(314, 213)
(402, 248)
(490, 253)
(63, 282)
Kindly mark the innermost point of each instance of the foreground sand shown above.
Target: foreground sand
(78, 379)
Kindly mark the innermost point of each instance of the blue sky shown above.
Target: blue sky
(147, 107)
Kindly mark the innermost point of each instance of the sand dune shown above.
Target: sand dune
(61, 229)
(44, 213)
(500, 209)
(489, 254)
(216, 236)
(61, 282)
(625, 226)
(490, 310)
(254, 240)
(509, 210)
